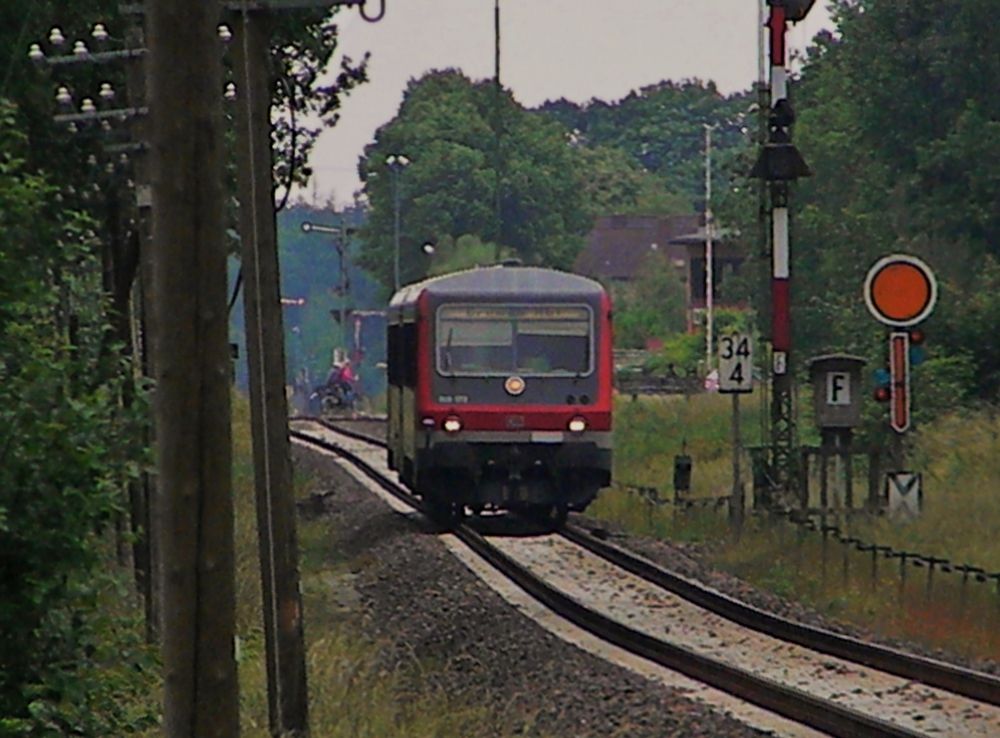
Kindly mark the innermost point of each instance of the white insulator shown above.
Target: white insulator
(56, 37)
(107, 92)
(230, 92)
(87, 106)
(100, 33)
(36, 54)
(63, 97)
(225, 34)
(80, 49)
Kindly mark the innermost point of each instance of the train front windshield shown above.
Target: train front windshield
(533, 340)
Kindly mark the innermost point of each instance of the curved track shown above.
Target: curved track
(802, 706)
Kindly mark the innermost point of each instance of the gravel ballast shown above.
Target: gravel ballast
(690, 560)
(450, 632)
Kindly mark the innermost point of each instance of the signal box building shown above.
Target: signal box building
(619, 246)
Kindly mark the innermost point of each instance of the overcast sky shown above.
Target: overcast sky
(577, 49)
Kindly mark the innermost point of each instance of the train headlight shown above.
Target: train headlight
(577, 425)
(427, 423)
(452, 424)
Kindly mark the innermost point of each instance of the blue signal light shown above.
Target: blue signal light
(882, 377)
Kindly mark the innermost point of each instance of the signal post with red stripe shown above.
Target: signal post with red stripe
(900, 291)
(899, 388)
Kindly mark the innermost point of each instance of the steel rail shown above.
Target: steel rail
(956, 679)
(380, 442)
(792, 703)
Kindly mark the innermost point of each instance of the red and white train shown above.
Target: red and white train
(500, 390)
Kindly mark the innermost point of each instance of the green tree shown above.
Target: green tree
(897, 117)
(613, 182)
(65, 450)
(303, 45)
(661, 127)
(447, 127)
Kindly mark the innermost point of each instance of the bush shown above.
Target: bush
(66, 450)
(681, 352)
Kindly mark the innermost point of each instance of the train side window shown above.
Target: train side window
(392, 350)
(409, 352)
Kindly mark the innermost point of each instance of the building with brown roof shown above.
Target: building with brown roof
(618, 246)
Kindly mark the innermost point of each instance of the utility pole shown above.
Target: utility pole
(127, 245)
(191, 356)
(146, 558)
(282, 599)
(283, 617)
(709, 261)
(497, 132)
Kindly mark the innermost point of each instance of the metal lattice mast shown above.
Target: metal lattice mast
(780, 164)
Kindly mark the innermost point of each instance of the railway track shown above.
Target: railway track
(900, 694)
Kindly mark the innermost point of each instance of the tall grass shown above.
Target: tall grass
(961, 464)
(350, 695)
(650, 431)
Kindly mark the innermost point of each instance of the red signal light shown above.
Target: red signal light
(917, 337)
(882, 394)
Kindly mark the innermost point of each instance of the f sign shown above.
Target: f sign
(838, 388)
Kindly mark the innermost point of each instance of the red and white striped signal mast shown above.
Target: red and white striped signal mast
(779, 164)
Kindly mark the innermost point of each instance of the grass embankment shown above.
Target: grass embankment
(350, 696)
(961, 464)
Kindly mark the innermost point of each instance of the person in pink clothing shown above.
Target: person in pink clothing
(340, 381)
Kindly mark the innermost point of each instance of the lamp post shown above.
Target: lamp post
(396, 163)
(341, 234)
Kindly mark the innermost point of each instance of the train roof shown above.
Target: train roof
(502, 280)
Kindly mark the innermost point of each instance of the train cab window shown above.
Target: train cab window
(535, 340)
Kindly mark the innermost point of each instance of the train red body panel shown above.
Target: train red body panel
(500, 389)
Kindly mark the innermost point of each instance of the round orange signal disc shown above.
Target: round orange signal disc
(900, 290)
